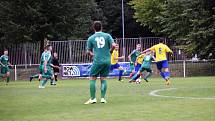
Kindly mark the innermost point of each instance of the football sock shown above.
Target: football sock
(103, 88)
(148, 75)
(43, 82)
(162, 75)
(166, 75)
(93, 89)
(55, 77)
(8, 79)
(120, 74)
(135, 77)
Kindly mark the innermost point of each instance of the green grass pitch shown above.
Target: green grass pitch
(23, 101)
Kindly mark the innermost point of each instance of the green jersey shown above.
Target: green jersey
(100, 43)
(147, 61)
(46, 56)
(134, 55)
(4, 60)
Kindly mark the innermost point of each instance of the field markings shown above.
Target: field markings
(154, 93)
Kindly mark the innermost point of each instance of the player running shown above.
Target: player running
(98, 46)
(4, 64)
(114, 62)
(161, 60)
(46, 66)
(132, 58)
(41, 75)
(146, 66)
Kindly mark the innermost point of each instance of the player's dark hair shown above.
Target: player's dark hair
(47, 46)
(162, 40)
(97, 26)
(5, 49)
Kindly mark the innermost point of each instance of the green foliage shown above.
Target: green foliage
(33, 20)
(189, 22)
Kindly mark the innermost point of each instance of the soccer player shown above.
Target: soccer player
(4, 64)
(146, 66)
(56, 67)
(46, 66)
(132, 57)
(98, 46)
(114, 62)
(161, 60)
(40, 75)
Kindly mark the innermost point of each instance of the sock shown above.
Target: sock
(120, 74)
(8, 79)
(148, 75)
(162, 75)
(43, 82)
(103, 88)
(55, 77)
(166, 75)
(92, 89)
(135, 77)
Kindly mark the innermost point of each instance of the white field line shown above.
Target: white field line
(154, 93)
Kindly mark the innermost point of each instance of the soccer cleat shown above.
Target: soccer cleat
(90, 101)
(41, 87)
(103, 100)
(30, 79)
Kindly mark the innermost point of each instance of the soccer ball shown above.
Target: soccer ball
(138, 81)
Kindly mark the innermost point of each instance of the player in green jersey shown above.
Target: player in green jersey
(40, 75)
(146, 66)
(132, 57)
(4, 64)
(46, 66)
(99, 46)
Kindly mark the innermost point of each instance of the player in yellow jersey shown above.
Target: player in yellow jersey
(114, 61)
(160, 50)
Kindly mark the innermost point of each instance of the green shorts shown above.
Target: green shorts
(132, 66)
(4, 69)
(101, 70)
(142, 69)
(49, 70)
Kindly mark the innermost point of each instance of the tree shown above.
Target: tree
(189, 22)
(112, 12)
(34, 20)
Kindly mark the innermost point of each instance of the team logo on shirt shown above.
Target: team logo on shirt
(71, 71)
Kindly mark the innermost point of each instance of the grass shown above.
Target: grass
(23, 101)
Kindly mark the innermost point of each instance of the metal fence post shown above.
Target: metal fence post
(70, 51)
(25, 52)
(15, 73)
(184, 68)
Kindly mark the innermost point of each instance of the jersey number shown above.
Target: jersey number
(100, 42)
(160, 50)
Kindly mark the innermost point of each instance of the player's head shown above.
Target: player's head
(138, 47)
(55, 55)
(117, 47)
(162, 40)
(5, 52)
(49, 47)
(97, 26)
(148, 52)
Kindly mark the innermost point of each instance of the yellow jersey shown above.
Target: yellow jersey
(140, 58)
(115, 54)
(160, 51)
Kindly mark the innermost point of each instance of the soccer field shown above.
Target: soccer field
(188, 99)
